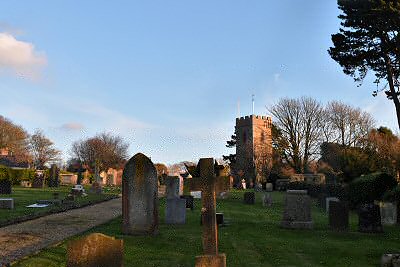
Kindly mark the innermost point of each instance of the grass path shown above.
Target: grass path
(23, 239)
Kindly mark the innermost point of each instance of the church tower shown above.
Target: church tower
(253, 148)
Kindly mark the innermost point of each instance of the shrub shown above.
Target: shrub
(314, 190)
(16, 175)
(392, 195)
(368, 188)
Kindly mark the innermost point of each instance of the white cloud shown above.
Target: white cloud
(20, 57)
(72, 126)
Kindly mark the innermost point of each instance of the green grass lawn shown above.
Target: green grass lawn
(26, 196)
(253, 238)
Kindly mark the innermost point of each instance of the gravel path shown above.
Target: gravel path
(23, 239)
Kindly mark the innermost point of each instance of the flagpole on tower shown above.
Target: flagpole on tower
(252, 100)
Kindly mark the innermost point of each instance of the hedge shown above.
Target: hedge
(16, 175)
(371, 187)
(314, 190)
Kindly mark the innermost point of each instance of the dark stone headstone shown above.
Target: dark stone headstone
(139, 197)
(54, 180)
(369, 219)
(38, 181)
(249, 198)
(189, 201)
(95, 250)
(338, 216)
(297, 210)
(5, 187)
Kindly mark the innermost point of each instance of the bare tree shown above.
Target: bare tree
(14, 139)
(42, 150)
(298, 121)
(350, 125)
(101, 152)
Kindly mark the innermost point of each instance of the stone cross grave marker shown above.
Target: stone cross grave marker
(210, 232)
(95, 250)
(139, 197)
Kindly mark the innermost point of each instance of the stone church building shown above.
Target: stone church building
(253, 148)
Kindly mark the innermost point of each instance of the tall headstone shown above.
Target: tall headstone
(211, 256)
(369, 219)
(175, 212)
(54, 180)
(267, 199)
(139, 197)
(297, 211)
(338, 216)
(95, 250)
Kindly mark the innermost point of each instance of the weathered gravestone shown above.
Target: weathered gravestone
(390, 260)
(176, 207)
(369, 219)
(338, 216)
(7, 203)
(388, 213)
(38, 181)
(54, 179)
(267, 200)
(328, 200)
(249, 198)
(5, 186)
(297, 211)
(211, 257)
(95, 250)
(139, 197)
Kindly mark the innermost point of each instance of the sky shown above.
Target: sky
(167, 76)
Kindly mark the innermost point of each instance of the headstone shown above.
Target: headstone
(390, 260)
(54, 180)
(96, 188)
(175, 207)
(5, 187)
(388, 213)
(189, 201)
(249, 198)
(172, 187)
(269, 187)
(297, 210)
(38, 181)
(369, 219)
(329, 199)
(139, 196)
(95, 250)
(175, 211)
(7, 203)
(338, 216)
(267, 200)
(196, 194)
(211, 256)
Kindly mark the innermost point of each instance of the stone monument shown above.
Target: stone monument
(95, 250)
(297, 210)
(338, 216)
(211, 256)
(139, 197)
(369, 219)
(175, 212)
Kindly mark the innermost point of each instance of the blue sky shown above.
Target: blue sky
(167, 75)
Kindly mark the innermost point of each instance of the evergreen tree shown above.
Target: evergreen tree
(369, 40)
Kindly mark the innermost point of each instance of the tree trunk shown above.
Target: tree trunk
(392, 89)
